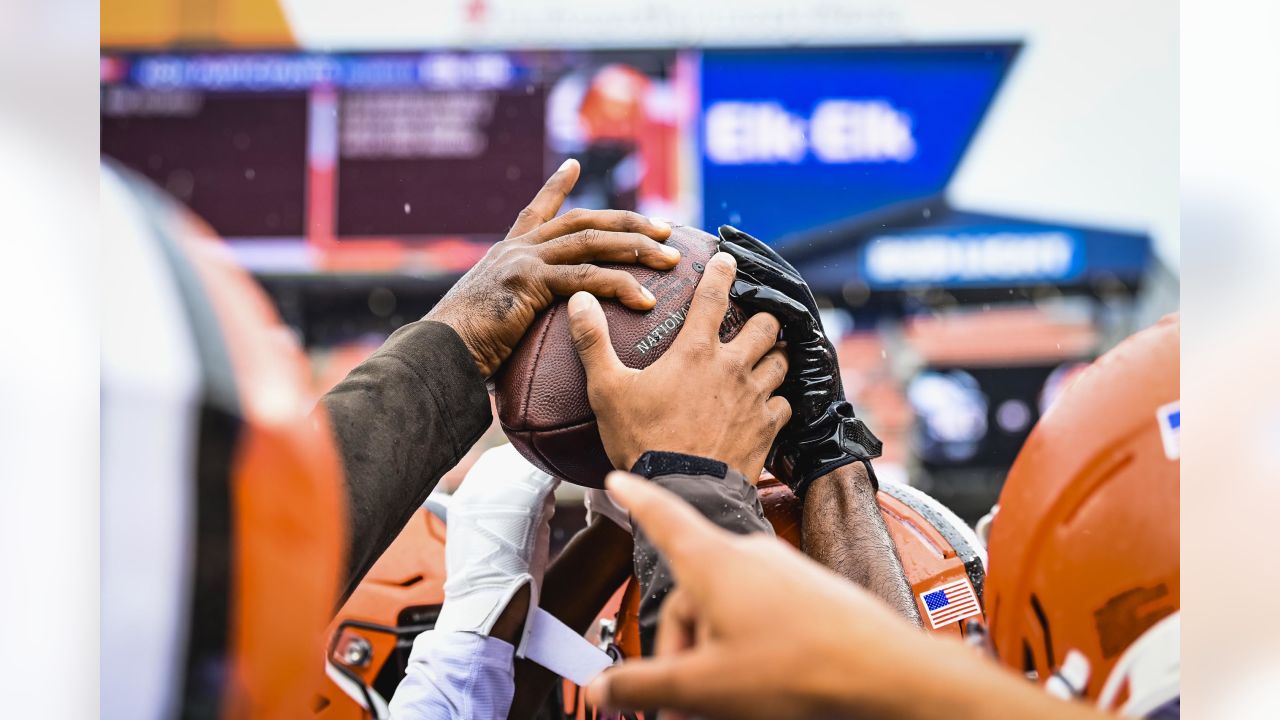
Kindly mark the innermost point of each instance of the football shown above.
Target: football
(541, 390)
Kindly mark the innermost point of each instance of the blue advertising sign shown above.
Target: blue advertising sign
(968, 250)
(791, 140)
(994, 255)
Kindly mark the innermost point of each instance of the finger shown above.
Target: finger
(710, 301)
(667, 682)
(761, 298)
(590, 332)
(608, 246)
(601, 282)
(757, 337)
(769, 373)
(767, 267)
(547, 202)
(779, 409)
(677, 621)
(752, 262)
(762, 271)
(685, 538)
(617, 220)
(734, 235)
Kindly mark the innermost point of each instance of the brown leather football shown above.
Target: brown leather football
(542, 388)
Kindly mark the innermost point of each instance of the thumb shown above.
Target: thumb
(659, 682)
(590, 333)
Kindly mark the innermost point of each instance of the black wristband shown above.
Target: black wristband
(654, 463)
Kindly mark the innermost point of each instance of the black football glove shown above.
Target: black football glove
(823, 433)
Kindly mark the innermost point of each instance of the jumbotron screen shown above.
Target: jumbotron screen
(308, 162)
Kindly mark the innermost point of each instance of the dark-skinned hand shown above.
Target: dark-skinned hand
(493, 304)
(702, 397)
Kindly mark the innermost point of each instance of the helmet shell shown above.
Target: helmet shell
(1084, 548)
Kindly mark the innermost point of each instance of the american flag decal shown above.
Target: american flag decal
(1170, 419)
(950, 603)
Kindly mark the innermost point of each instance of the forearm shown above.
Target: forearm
(452, 675)
(580, 581)
(724, 497)
(961, 683)
(401, 419)
(844, 530)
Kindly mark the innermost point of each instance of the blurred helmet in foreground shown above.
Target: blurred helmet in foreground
(1084, 548)
(222, 526)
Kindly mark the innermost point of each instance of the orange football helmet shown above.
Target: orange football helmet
(1084, 547)
(222, 531)
(372, 635)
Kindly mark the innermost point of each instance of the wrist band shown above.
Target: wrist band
(654, 463)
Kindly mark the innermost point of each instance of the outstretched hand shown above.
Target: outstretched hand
(756, 630)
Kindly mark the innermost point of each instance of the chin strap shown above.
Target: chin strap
(556, 647)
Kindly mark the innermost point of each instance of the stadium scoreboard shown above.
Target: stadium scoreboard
(316, 162)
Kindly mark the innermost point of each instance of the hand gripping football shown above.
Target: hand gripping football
(542, 388)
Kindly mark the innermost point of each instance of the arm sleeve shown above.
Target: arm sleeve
(402, 419)
(456, 675)
(723, 496)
